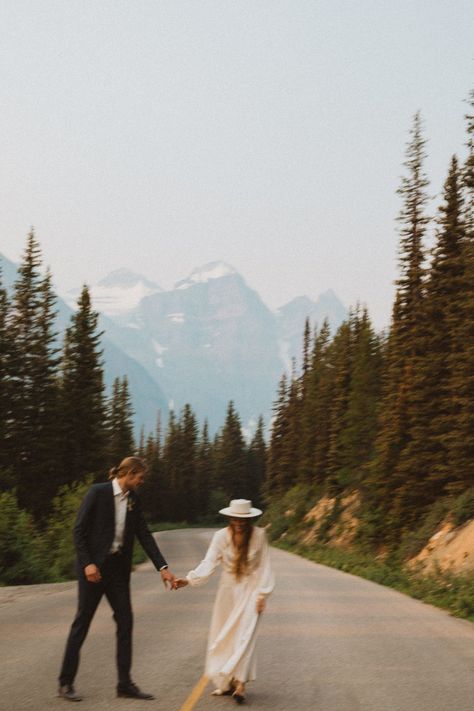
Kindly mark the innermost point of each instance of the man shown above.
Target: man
(109, 518)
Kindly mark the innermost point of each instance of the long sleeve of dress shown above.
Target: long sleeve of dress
(266, 577)
(201, 574)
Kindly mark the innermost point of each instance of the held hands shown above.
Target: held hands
(92, 573)
(180, 583)
(168, 578)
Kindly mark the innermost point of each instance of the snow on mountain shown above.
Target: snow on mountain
(118, 293)
(201, 275)
(210, 339)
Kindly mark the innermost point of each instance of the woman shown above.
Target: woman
(245, 583)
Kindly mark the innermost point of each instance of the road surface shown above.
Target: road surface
(328, 642)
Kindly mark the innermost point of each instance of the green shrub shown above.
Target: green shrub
(463, 507)
(20, 547)
(57, 538)
(285, 516)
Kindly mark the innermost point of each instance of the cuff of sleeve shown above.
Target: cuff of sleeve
(164, 567)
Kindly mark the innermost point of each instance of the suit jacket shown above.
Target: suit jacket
(94, 529)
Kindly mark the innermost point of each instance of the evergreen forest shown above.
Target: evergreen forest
(382, 419)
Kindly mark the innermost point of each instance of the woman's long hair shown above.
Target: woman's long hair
(242, 549)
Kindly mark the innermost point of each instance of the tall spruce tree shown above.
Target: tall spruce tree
(461, 445)
(431, 413)
(359, 428)
(315, 411)
(340, 361)
(204, 474)
(6, 352)
(119, 423)
(256, 464)
(154, 493)
(188, 484)
(171, 467)
(34, 388)
(405, 349)
(276, 472)
(82, 396)
(231, 469)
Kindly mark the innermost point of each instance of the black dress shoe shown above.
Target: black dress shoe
(67, 691)
(131, 691)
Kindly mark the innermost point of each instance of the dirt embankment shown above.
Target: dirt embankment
(450, 549)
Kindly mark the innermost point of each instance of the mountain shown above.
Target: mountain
(118, 293)
(146, 394)
(208, 340)
(211, 339)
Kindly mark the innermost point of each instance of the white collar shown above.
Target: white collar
(118, 489)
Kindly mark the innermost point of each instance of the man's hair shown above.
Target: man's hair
(129, 464)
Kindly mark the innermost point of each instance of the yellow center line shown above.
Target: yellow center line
(195, 694)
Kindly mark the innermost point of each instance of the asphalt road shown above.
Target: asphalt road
(328, 642)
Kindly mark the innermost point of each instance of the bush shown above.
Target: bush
(463, 508)
(57, 538)
(20, 546)
(286, 514)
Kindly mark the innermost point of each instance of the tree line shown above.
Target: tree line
(392, 414)
(58, 426)
(56, 423)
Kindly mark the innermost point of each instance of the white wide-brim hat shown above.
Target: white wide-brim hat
(240, 508)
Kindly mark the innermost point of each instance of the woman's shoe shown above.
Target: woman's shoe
(239, 698)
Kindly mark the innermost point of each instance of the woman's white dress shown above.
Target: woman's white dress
(232, 635)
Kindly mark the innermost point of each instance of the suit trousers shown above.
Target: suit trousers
(115, 585)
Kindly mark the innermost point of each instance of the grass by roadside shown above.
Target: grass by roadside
(454, 593)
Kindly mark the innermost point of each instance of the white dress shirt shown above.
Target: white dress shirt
(120, 502)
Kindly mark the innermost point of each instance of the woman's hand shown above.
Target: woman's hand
(180, 583)
(260, 604)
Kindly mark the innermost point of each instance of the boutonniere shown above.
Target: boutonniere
(130, 505)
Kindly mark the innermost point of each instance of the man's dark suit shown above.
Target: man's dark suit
(94, 533)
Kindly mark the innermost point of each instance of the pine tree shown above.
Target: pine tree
(405, 349)
(231, 461)
(275, 479)
(82, 395)
(6, 353)
(204, 474)
(154, 493)
(340, 361)
(34, 387)
(315, 412)
(188, 489)
(431, 413)
(171, 463)
(256, 464)
(119, 423)
(359, 427)
(461, 444)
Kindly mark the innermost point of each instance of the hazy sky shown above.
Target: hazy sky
(266, 133)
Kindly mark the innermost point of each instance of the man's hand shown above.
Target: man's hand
(167, 578)
(92, 573)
